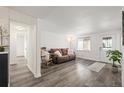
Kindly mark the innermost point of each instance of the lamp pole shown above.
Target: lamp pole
(70, 43)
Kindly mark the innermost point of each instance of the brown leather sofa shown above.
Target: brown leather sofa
(65, 55)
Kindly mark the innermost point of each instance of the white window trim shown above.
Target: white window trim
(87, 50)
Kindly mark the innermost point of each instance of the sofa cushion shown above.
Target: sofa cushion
(63, 59)
(64, 51)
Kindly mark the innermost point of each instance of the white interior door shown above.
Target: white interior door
(20, 38)
(107, 42)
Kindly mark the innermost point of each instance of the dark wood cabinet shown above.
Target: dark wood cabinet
(3, 69)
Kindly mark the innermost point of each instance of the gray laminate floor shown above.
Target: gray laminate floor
(69, 74)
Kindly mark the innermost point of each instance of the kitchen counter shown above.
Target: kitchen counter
(3, 52)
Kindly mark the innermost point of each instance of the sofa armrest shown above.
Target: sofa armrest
(72, 52)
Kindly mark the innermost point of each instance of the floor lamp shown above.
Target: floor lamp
(70, 40)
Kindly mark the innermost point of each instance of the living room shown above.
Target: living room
(79, 36)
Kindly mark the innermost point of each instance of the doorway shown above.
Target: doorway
(18, 49)
(18, 42)
(28, 59)
(21, 43)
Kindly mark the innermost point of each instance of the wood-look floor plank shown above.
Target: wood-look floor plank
(69, 74)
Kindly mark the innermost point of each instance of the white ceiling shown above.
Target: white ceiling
(79, 20)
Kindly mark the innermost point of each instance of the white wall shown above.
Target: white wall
(12, 44)
(51, 39)
(94, 53)
(4, 17)
(31, 49)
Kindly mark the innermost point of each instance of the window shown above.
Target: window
(80, 44)
(84, 44)
(107, 43)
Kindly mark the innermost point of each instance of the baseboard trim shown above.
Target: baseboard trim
(30, 69)
(34, 74)
(13, 64)
(37, 76)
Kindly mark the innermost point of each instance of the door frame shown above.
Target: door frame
(36, 65)
(102, 53)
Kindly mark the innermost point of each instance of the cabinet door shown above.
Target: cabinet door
(3, 70)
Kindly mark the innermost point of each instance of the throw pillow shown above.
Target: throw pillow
(58, 53)
(64, 51)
